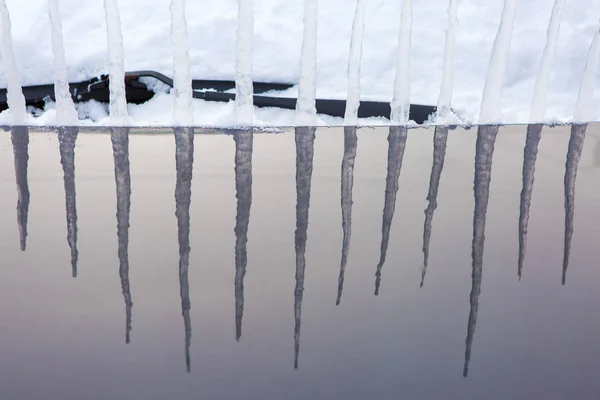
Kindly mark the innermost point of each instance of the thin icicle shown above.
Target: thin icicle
(20, 143)
(16, 100)
(350, 143)
(583, 109)
(538, 104)
(307, 91)
(401, 100)
(116, 64)
(396, 145)
(65, 109)
(573, 155)
(305, 140)
(67, 138)
(448, 76)
(244, 100)
(243, 192)
(183, 114)
(490, 104)
(354, 61)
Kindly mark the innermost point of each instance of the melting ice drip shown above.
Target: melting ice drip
(67, 138)
(350, 142)
(243, 193)
(20, 143)
(305, 140)
(184, 163)
(120, 144)
(396, 145)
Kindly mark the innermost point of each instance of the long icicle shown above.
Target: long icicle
(67, 138)
(396, 145)
(244, 100)
(354, 61)
(350, 142)
(183, 114)
(16, 100)
(445, 97)
(243, 192)
(490, 104)
(305, 140)
(65, 109)
(583, 109)
(116, 64)
(400, 105)
(184, 165)
(307, 91)
(20, 143)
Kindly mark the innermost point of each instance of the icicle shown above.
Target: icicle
(116, 64)
(183, 114)
(573, 156)
(534, 134)
(439, 153)
(354, 61)
(448, 75)
(350, 142)
(307, 90)
(65, 109)
(490, 105)
(16, 100)
(305, 140)
(67, 138)
(184, 163)
(244, 100)
(243, 193)
(583, 109)
(484, 150)
(20, 143)
(397, 143)
(120, 144)
(538, 105)
(401, 100)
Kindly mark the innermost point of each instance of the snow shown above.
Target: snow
(354, 61)
(307, 89)
(277, 43)
(182, 78)
(401, 100)
(243, 64)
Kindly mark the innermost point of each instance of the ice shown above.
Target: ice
(490, 105)
(401, 100)
(538, 105)
(116, 64)
(583, 109)
(16, 100)
(182, 77)
(307, 90)
(448, 76)
(354, 61)
(244, 103)
(65, 109)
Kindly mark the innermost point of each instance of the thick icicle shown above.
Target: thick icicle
(538, 104)
(448, 75)
(534, 134)
(490, 104)
(307, 91)
(116, 64)
(20, 143)
(243, 193)
(350, 142)
(573, 155)
(486, 138)
(354, 61)
(244, 100)
(184, 163)
(120, 144)
(305, 140)
(583, 109)
(396, 144)
(440, 138)
(16, 100)
(401, 99)
(183, 114)
(65, 109)
(67, 138)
